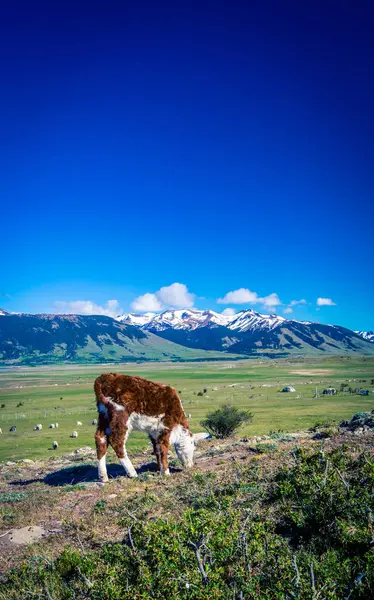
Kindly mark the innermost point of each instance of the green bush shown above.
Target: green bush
(13, 497)
(266, 447)
(225, 421)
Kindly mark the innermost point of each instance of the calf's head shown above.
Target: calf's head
(185, 443)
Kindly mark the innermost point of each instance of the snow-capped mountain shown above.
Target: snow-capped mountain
(248, 332)
(3, 312)
(134, 319)
(367, 335)
(250, 320)
(191, 319)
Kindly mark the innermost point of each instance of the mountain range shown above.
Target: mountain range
(46, 338)
(250, 332)
(175, 335)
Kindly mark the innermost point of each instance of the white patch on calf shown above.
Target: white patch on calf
(153, 426)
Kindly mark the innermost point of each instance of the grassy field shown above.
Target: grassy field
(64, 394)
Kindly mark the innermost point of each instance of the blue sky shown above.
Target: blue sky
(223, 146)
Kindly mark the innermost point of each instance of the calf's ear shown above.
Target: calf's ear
(198, 437)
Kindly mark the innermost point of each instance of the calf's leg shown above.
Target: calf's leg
(117, 440)
(163, 445)
(101, 450)
(156, 452)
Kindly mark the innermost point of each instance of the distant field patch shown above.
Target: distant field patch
(317, 372)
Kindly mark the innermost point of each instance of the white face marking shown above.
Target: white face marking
(183, 444)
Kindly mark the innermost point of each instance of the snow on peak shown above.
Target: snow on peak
(3, 312)
(190, 318)
(137, 320)
(367, 335)
(246, 320)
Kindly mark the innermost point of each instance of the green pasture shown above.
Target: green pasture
(64, 394)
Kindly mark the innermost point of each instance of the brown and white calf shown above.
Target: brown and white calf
(128, 403)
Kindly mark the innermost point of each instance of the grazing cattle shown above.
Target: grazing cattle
(56, 425)
(54, 445)
(189, 415)
(94, 422)
(13, 428)
(79, 423)
(52, 426)
(74, 434)
(1, 431)
(38, 427)
(128, 403)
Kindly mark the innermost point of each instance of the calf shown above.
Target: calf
(131, 403)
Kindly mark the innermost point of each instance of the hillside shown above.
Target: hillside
(45, 338)
(249, 332)
(282, 516)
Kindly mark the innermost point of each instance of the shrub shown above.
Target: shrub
(13, 497)
(224, 421)
(267, 448)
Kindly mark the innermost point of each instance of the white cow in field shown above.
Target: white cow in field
(79, 423)
(1, 431)
(94, 422)
(52, 426)
(74, 434)
(54, 445)
(56, 425)
(38, 427)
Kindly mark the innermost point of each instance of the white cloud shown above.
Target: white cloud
(146, 303)
(288, 310)
(241, 296)
(271, 301)
(245, 296)
(175, 295)
(295, 302)
(228, 312)
(325, 302)
(86, 307)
